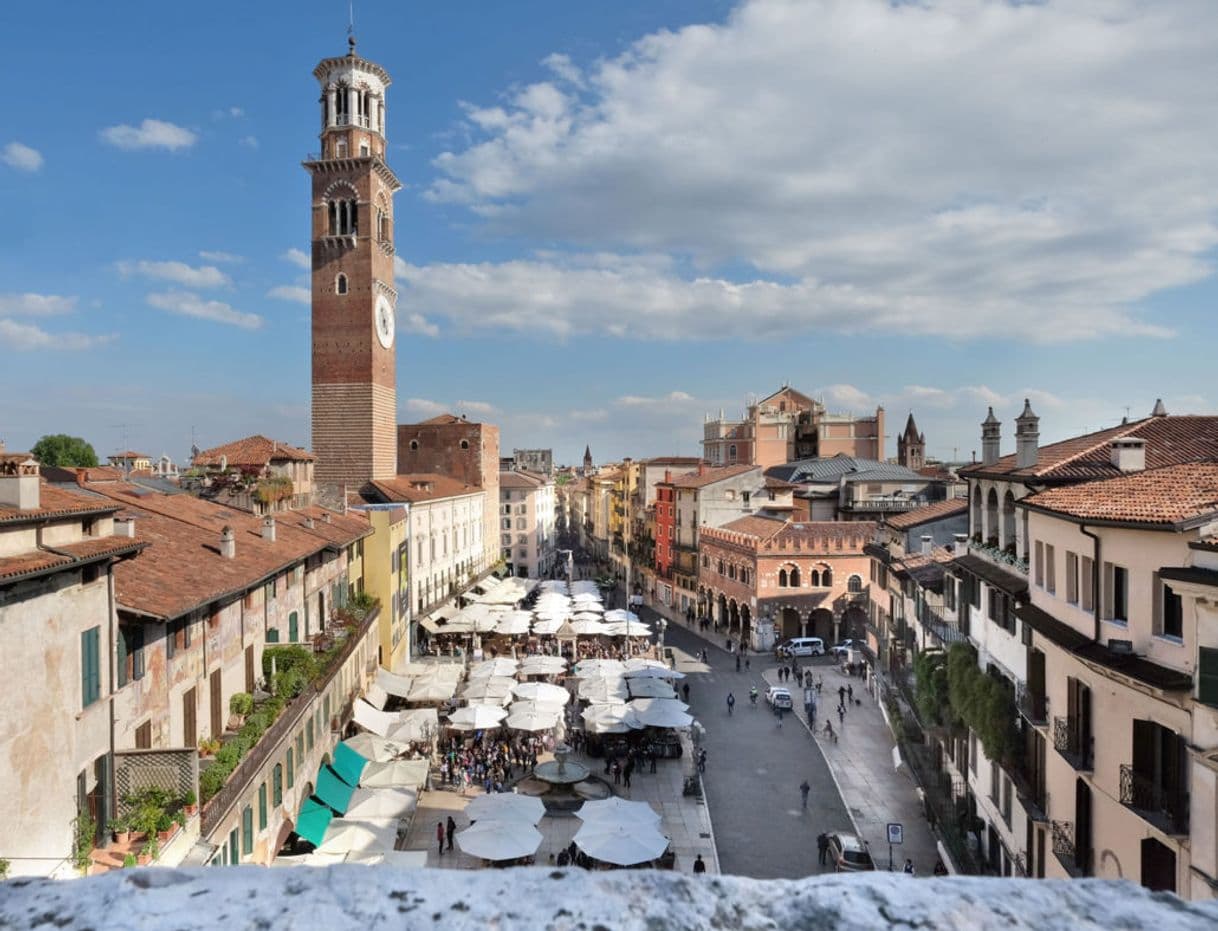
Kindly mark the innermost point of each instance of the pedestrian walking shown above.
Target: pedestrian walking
(450, 829)
(440, 836)
(626, 771)
(778, 711)
(747, 664)
(702, 759)
(822, 846)
(651, 760)
(850, 693)
(737, 662)
(841, 695)
(841, 715)
(699, 864)
(909, 867)
(685, 692)
(617, 773)
(804, 789)
(829, 731)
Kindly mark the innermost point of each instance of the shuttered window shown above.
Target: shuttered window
(90, 666)
(1207, 676)
(262, 807)
(277, 784)
(247, 831)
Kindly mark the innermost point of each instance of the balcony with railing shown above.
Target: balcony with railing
(1005, 558)
(1065, 848)
(1163, 807)
(1032, 705)
(881, 504)
(1075, 746)
(945, 631)
(1030, 790)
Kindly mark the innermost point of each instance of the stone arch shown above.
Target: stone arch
(721, 614)
(977, 510)
(854, 623)
(814, 577)
(854, 584)
(733, 615)
(820, 624)
(793, 577)
(746, 622)
(991, 516)
(789, 624)
(782, 577)
(1008, 520)
(826, 577)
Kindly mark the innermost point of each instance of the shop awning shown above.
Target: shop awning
(349, 765)
(332, 790)
(313, 820)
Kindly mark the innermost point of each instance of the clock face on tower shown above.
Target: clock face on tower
(384, 321)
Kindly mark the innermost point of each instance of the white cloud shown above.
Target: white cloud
(35, 305)
(476, 407)
(25, 337)
(250, 142)
(222, 257)
(417, 323)
(229, 113)
(298, 258)
(187, 304)
(564, 69)
(424, 407)
(203, 276)
(594, 415)
(1029, 171)
(673, 397)
(22, 157)
(846, 397)
(289, 292)
(150, 134)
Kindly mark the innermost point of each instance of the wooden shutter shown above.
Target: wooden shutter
(143, 736)
(190, 723)
(1207, 676)
(216, 696)
(90, 666)
(249, 669)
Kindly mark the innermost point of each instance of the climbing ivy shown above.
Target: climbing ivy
(983, 702)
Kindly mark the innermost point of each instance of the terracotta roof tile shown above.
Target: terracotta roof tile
(420, 486)
(57, 502)
(763, 528)
(1169, 440)
(65, 556)
(255, 451)
(1169, 495)
(128, 455)
(709, 476)
(924, 515)
(518, 479)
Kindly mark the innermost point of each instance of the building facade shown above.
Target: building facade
(255, 474)
(528, 535)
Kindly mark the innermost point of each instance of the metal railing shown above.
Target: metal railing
(1075, 748)
(1032, 705)
(1030, 789)
(1165, 808)
(999, 556)
(881, 504)
(946, 631)
(1065, 848)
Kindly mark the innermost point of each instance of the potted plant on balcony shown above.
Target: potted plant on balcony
(190, 803)
(121, 828)
(240, 705)
(149, 851)
(129, 860)
(209, 746)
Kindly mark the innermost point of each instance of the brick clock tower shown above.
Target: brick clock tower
(354, 391)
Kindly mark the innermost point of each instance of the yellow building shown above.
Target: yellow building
(386, 577)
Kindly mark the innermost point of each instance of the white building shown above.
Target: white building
(527, 535)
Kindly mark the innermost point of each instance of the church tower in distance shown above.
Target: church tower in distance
(354, 375)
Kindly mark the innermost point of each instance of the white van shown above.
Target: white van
(802, 646)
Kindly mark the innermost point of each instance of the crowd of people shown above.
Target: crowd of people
(487, 760)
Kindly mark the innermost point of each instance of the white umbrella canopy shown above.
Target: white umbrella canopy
(650, 688)
(499, 840)
(407, 773)
(622, 844)
(542, 692)
(662, 712)
(540, 707)
(654, 672)
(583, 614)
(476, 717)
(381, 803)
(589, 628)
(603, 690)
(631, 629)
(490, 687)
(548, 627)
(616, 810)
(536, 720)
(591, 668)
(512, 626)
(376, 749)
(431, 690)
(415, 724)
(610, 718)
(500, 666)
(364, 836)
(621, 614)
(542, 665)
(645, 662)
(506, 806)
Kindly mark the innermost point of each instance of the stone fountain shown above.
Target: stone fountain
(568, 783)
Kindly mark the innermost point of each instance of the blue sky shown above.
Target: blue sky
(619, 216)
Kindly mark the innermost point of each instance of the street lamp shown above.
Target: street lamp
(663, 627)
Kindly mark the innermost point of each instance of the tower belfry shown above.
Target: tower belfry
(354, 301)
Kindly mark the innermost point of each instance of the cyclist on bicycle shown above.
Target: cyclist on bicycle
(731, 702)
(753, 694)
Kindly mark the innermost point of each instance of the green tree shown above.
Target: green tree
(59, 449)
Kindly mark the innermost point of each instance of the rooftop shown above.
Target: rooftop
(1167, 496)
(256, 450)
(56, 502)
(520, 478)
(1170, 439)
(940, 510)
(834, 468)
(418, 487)
(709, 476)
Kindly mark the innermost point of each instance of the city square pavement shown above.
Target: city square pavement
(685, 821)
(754, 768)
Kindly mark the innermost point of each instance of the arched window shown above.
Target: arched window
(814, 578)
(854, 584)
(1008, 520)
(343, 217)
(414, 444)
(465, 444)
(991, 517)
(340, 284)
(342, 102)
(731, 453)
(826, 578)
(782, 578)
(976, 515)
(794, 577)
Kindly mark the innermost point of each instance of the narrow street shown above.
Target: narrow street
(754, 768)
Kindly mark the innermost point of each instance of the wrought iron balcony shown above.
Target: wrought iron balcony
(881, 504)
(1030, 790)
(1032, 705)
(991, 551)
(1165, 808)
(1065, 848)
(1076, 748)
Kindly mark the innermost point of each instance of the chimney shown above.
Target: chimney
(309, 525)
(668, 475)
(1159, 410)
(228, 543)
(991, 438)
(19, 482)
(1128, 453)
(928, 543)
(326, 517)
(1027, 437)
(960, 538)
(268, 529)
(224, 463)
(124, 527)
(701, 468)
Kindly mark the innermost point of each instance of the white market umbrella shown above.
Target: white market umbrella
(376, 749)
(393, 773)
(512, 626)
(492, 687)
(621, 844)
(381, 803)
(491, 668)
(506, 806)
(616, 810)
(415, 724)
(664, 717)
(542, 692)
(542, 665)
(650, 688)
(603, 690)
(590, 628)
(370, 835)
(431, 690)
(585, 615)
(533, 721)
(591, 668)
(540, 707)
(547, 628)
(621, 614)
(654, 672)
(476, 717)
(499, 840)
(633, 629)
(584, 597)
(611, 718)
(645, 662)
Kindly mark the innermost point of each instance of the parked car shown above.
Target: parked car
(778, 697)
(802, 646)
(839, 650)
(849, 853)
